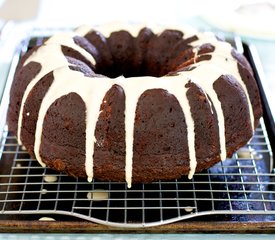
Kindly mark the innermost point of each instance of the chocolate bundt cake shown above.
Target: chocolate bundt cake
(133, 103)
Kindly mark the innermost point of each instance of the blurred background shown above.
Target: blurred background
(250, 17)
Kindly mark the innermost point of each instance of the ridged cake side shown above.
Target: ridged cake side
(136, 104)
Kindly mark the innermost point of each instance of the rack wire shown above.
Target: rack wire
(238, 189)
(237, 186)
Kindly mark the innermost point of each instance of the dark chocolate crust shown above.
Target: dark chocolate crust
(160, 150)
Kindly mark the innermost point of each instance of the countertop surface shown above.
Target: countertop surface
(54, 14)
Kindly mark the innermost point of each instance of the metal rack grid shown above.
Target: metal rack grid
(237, 186)
(241, 188)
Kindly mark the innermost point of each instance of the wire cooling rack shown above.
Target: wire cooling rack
(238, 186)
(238, 189)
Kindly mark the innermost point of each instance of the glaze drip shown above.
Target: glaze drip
(92, 90)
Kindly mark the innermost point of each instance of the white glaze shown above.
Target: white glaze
(50, 178)
(50, 57)
(221, 48)
(133, 89)
(244, 152)
(133, 28)
(93, 90)
(98, 195)
(223, 58)
(66, 39)
(206, 83)
(47, 219)
(189, 209)
(67, 81)
(44, 191)
(83, 30)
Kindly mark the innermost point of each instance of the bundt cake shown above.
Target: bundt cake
(133, 103)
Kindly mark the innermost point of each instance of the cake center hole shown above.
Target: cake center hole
(132, 67)
(145, 55)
